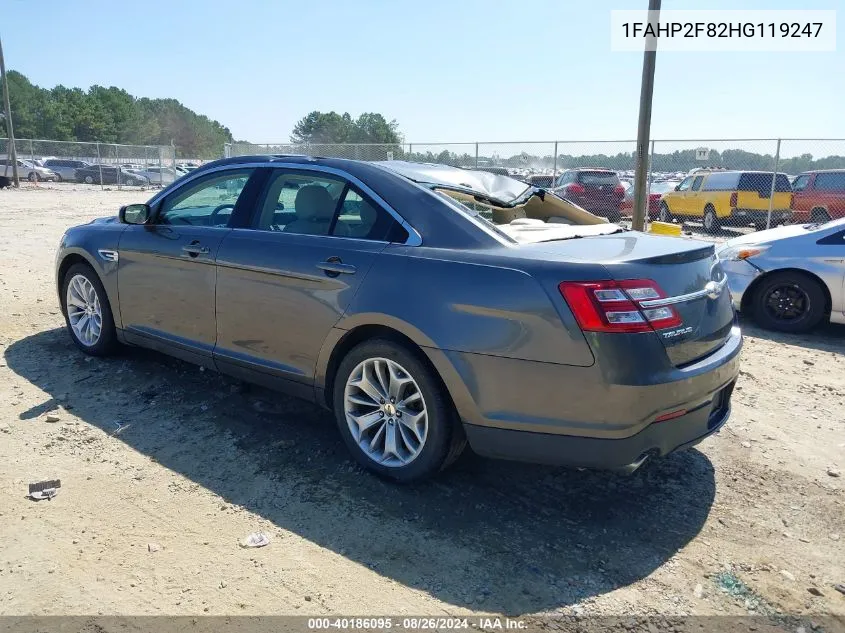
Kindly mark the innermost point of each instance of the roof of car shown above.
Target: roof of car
(822, 171)
(493, 185)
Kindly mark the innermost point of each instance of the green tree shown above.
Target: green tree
(331, 127)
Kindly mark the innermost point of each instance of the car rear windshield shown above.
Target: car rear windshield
(762, 183)
(831, 181)
(598, 178)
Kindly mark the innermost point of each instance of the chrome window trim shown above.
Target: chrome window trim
(414, 238)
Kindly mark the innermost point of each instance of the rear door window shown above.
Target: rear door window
(831, 181)
(761, 182)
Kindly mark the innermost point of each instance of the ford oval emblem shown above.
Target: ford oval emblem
(713, 289)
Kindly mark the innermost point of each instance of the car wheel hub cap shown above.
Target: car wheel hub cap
(84, 311)
(385, 411)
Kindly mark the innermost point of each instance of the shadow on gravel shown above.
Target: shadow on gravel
(486, 535)
(829, 337)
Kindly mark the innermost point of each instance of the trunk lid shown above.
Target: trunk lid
(684, 270)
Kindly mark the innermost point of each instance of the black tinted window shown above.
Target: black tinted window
(598, 178)
(834, 181)
(696, 184)
(762, 183)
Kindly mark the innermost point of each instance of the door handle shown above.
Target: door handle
(334, 267)
(194, 249)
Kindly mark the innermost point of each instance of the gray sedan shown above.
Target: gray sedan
(790, 278)
(426, 306)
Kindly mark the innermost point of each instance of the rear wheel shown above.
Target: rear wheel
(820, 215)
(789, 302)
(711, 221)
(393, 412)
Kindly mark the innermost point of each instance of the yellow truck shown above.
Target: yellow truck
(739, 198)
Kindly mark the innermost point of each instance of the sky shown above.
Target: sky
(445, 70)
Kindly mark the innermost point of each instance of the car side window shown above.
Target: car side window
(696, 184)
(362, 218)
(685, 183)
(207, 202)
(800, 183)
(303, 203)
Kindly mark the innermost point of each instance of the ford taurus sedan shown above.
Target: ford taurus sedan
(790, 278)
(427, 306)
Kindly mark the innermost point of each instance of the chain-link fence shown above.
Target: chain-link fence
(90, 163)
(712, 187)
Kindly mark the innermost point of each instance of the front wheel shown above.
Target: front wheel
(33, 177)
(131, 182)
(58, 178)
(87, 311)
(789, 302)
(664, 215)
(89, 180)
(393, 413)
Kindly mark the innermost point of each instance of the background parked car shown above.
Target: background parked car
(109, 175)
(790, 278)
(159, 175)
(65, 169)
(819, 196)
(30, 171)
(742, 196)
(655, 194)
(598, 191)
(545, 181)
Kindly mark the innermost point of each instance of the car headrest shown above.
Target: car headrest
(314, 203)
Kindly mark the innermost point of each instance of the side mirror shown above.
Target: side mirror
(135, 214)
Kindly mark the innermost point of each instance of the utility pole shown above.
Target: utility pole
(11, 152)
(644, 125)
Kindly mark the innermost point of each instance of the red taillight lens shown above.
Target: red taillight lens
(619, 190)
(734, 197)
(575, 188)
(614, 306)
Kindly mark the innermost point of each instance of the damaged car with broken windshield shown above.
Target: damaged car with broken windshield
(430, 308)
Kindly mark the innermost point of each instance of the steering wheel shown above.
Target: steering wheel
(220, 208)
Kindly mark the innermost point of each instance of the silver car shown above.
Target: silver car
(65, 168)
(790, 278)
(159, 175)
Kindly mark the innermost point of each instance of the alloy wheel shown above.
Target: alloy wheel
(84, 310)
(787, 303)
(386, 412)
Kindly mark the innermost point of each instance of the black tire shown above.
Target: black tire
(711, 220)
(89, 180)
(33, 177)
(445, 439)
(819, 215)
(130, 182)
(796, 288)
(107, 343)
(664, 215)
(58, 178)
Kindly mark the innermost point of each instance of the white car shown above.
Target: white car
(30, 171)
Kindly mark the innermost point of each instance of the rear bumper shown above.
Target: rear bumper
(600, 416)
(757, 216)
(627, 454)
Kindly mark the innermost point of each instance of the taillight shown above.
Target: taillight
(734, 198)
(619, 190)
(614, 306)
(575, 188)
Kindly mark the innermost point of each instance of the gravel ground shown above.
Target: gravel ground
(165, 467)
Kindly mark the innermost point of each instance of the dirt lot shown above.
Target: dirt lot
(154, 454)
